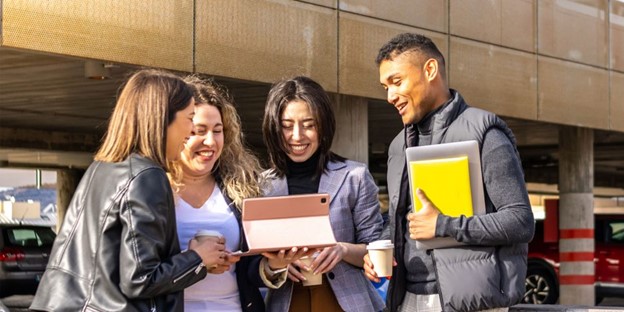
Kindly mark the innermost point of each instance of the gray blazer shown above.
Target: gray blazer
(355, 218)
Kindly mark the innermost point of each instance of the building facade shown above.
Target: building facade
(553, 68)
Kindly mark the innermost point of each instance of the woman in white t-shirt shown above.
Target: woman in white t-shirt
(214, 174)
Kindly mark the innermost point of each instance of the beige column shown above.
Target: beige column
(351, 137)
(576, 216)
(66, 182)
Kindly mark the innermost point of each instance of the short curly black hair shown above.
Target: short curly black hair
(409, 42)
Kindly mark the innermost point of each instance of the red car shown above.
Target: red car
(542, 285)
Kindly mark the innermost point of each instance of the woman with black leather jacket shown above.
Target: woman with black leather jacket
(118, 249)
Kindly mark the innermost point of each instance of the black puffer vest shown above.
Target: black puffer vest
(478, 264)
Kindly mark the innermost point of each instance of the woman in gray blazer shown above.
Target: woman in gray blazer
(298, 129)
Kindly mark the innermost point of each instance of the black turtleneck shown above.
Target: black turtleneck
(420, 270)
(300, 176)
(425, 125)
(419, 134)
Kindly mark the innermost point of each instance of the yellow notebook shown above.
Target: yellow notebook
(446, 182)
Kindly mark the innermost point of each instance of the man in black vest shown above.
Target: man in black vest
(488, 272)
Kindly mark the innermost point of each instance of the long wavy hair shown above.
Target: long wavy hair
(146, 105)
(238, 170)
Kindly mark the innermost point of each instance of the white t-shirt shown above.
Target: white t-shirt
(216, 292)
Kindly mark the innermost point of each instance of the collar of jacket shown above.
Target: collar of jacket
(331, 181)
(239, 218)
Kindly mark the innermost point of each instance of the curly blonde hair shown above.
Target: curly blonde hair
(238, 170)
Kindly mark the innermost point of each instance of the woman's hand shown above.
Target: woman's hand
(324, 261)
(211, 250)
(294, 271)
(281, 259)
(327, 259)
(228, 262)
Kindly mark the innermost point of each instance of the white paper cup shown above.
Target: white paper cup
(380, 253)
(204, 234)
(311, 278)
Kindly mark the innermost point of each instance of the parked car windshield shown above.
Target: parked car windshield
(29, 236)
(616, 232)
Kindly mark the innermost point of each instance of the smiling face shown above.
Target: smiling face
(408, 86)
(204, 148)
(299, 130)
(179, 131)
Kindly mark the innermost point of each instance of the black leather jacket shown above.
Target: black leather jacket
(118, 248)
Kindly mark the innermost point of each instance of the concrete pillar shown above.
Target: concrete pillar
(66, 182)
(351, 138)
(576, 216)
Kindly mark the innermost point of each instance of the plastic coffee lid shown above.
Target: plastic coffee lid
(380, 244)
(208, 233)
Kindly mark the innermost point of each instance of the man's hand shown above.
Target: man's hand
(422, 225)
(369, 271)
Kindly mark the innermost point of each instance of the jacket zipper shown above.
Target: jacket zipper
(499, 265)
(152, 305)
(435, 270)
(194, 269)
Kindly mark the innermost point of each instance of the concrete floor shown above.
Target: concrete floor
(612, 302)
(20, 303)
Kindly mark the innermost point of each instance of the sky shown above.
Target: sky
(21, 177)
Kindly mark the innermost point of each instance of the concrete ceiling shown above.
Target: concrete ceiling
(48, 109)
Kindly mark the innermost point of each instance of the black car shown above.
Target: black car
(24, 253)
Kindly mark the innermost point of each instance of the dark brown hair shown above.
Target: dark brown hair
(309, 91)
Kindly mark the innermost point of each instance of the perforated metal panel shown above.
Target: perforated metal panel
(266, 41)
(156, 33)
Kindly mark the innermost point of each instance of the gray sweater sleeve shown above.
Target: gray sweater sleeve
(512, 221)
